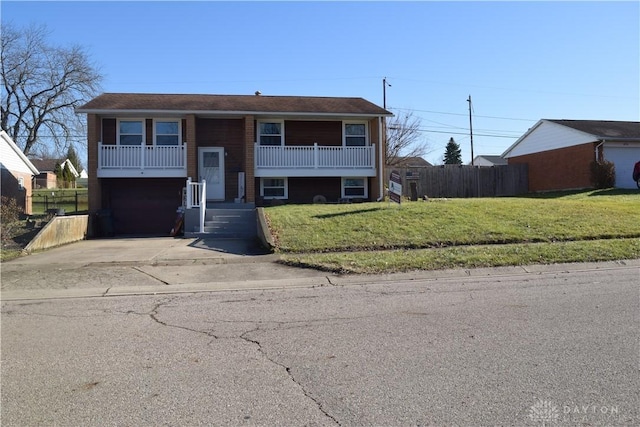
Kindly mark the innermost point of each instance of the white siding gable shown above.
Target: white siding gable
(548, 136)
(12, 158)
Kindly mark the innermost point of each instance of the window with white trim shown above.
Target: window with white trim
(130, 132)
(355, 188)
(274, 188)
(271, 133)
(167, 132)
(355, 134)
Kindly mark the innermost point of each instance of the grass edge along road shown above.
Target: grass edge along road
(587, 226)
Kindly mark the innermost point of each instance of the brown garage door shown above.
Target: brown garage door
(143, 206)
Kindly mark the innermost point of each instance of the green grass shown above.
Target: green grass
(379, 237)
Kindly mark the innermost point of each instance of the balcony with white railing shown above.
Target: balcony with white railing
(142, 161)
(314, 160)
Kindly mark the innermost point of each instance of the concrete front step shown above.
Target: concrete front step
(231, 221)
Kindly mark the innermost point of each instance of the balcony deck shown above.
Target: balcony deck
(151, 161)
(314, 160)
(142, 161)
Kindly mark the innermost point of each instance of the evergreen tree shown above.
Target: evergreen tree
(453, 153)
(59, 175)
(67, 176)
(73, 158)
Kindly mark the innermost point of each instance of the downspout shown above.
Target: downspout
(380, 148)
(597, 147)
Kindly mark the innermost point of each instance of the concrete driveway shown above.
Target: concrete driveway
(166, 265)
(147, 265)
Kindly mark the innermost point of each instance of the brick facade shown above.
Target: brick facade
(17, 185)
(561, 169)
(249, 163)
(94, 133)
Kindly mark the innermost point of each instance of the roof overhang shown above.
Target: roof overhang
(5, 136)
(208, 113)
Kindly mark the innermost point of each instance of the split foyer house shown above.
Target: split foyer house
(144, 149)
(17, 173)
(559, 152)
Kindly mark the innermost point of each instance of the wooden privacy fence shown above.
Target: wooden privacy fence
(463, 181)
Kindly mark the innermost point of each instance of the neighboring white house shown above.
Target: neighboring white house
(17, 172)
(559, 152)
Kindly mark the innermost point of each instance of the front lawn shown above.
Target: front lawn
(442, 233)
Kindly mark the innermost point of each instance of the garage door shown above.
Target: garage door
(624, 158)
(143, 206)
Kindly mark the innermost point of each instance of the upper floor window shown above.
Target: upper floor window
(167, 132)
(130, 132)
(355, 134)
(271, 133)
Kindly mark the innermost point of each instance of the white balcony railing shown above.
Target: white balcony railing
(314, 157)
(142, 160)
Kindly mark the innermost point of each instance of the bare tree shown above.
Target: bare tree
(41, 86)
(404, 138)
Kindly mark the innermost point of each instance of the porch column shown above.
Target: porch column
(249, 166)
(192, 148)
(94, 125)
(377, 128)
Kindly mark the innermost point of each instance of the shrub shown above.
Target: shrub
(603, 174)
(9, 210)
(9, 215)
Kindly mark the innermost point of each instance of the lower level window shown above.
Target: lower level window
(274, 188)
(354, 188)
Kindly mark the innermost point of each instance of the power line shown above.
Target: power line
(461, 114)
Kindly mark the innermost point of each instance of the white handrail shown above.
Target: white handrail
(314, 156)
(142, 156)
(203, 204)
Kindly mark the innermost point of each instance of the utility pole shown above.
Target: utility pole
(470, 129)
(384, 92)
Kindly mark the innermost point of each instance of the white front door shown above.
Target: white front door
(211, 169)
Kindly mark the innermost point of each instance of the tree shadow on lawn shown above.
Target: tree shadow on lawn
(337, 214)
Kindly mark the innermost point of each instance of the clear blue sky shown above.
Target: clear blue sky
(519, 61)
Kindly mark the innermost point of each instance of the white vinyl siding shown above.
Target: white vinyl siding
(549, 136)
(12, 157)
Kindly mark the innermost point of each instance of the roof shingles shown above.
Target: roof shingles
(231, 103)
(604, 129)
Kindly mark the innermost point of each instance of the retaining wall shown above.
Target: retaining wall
(59, 231)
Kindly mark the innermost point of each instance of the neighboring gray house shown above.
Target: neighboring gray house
(486, 160)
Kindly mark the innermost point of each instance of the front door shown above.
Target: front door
(211, 169)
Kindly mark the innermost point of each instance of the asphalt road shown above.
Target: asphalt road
(555, 348)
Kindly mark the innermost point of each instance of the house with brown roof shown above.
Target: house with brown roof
(47, 177)
(559, 152)
(148, 154)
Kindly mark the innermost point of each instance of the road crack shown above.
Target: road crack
(287, 369)
(138, 269)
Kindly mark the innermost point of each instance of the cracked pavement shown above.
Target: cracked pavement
(459, 350)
